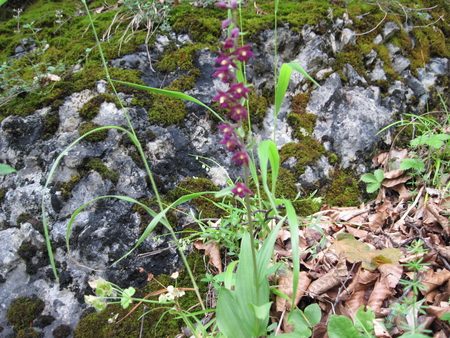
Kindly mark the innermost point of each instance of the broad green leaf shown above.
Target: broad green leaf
(313, 313)
(412, 163)
(364, 320)
(264, 150)
(342, 327)
(379, 175)
(301, 325)
(6, 169)
(228, 315)
(261, 311)
(356, 251)
(369, 178)
(2, 2)
(372, 187)
(174, 94)
(126, 300)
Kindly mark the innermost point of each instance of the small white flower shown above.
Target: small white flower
(174, 275)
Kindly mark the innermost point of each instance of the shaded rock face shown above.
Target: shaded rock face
(349, 116)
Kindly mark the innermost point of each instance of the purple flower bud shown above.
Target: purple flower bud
(230, 144)
(224, 99)
(226, 23)
(238, 113)
(240, 157)
(222, 4)
(241, 190)
(234, 34)
(225, 60)
(233, 4)
(239, 91)
(243, 53)
(224, 73)
(228, 44)
(228, 130)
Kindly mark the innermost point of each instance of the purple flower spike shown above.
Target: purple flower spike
(224, 73)
(228, 130)
(233, 4)
(228, 44)
(238, 113)
(243, 53)
(230, 143)
(225, 60)
(240, 158)
(241, 190)
(234, 34)
(226, 23)
(224, 99)
(239, 91)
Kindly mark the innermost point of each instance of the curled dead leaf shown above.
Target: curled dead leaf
(332, 278)
(211, 250)
(431, 279)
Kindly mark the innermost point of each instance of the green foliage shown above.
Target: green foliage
(343, 327)
(374, 180)
(23, 311)
(6, 169)
(303, 321)
(96, 136)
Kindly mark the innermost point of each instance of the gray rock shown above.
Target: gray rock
(352, 117)
(389, 30)
(353, 77)
(400, 63)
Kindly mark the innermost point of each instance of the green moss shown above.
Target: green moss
(202, 25)
(91, 108)
(27, 251)
(146, 218)
(204, 203)
(180, 58)
(2, 195)
(22, 218)
(23, 311)
(168, 110)
(307, 152)
(97, 165)
(67, 187)
(29, 333)
(96, 325)
(302, 122)
(51, 124)
(258, 108)
(97, 136)
(343, 190)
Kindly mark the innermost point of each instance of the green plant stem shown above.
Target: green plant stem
(141, 152)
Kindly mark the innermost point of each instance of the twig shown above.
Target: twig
(142, 321)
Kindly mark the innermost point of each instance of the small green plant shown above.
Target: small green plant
(6, 169)
(374, 180)
(411, 306)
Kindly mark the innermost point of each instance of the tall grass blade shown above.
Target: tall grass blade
(176, 95)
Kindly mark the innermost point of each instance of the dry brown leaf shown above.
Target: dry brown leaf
(381, 158)
(359, 287)
(331, 279)
(380, 292)
(379, 328)
(211, 250)
(431, 279)
(403, 192)
(285, 280)
(377, 220)
(358, 233)
(435, 210)
(391, 273)
(394, 177)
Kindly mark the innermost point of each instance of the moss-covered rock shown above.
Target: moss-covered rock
(91, 108)
(307, 152)
(51, 124)
(23, 311)
(205, 203)
(96, 136)
(158, 322)
(107, 174)
(343, 190)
